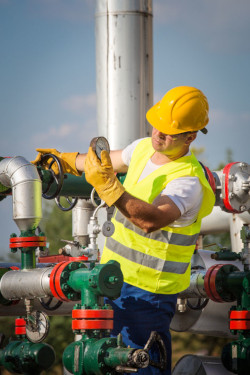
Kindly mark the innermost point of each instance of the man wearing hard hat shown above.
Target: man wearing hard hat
(158, 213)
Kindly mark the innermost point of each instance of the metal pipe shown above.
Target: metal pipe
(191, 364)
(124, 69)
(19, 309)
(22, 177)
(213, 319)
(29, 284)
(81, 215)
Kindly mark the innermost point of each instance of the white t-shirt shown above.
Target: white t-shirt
(185, 192)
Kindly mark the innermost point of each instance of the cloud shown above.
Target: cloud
(222, 26)
(79, 103)
(53, 133)
(75, 134)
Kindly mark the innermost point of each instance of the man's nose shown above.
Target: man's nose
(160, 134)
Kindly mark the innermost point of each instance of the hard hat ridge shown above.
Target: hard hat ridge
(182, 109)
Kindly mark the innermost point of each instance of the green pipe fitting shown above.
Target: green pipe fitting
(28, 257)
(93, 356)
(225, 255)
(102, 280)
(236, 356)
(25, 357)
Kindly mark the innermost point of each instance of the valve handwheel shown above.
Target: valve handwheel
(156, 338)
(72, 201)
(58, 178)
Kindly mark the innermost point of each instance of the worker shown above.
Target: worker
(158, 214)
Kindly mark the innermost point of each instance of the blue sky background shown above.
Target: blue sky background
(47, 75)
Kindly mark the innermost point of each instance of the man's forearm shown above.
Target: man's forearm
(116, 159)
(80, 160)
(148, 217)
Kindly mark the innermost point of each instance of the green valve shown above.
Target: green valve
(87, 356)
(236, 356)
(25, 357)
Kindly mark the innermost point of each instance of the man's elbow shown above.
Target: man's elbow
(149, 228)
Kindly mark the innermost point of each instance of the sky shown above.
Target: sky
(47, 75)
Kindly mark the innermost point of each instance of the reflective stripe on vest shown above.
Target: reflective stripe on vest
(145, 259)
(159, 235)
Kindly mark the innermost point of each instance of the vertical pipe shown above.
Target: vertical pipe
(124, 79)
(24, 180)
(81, 214)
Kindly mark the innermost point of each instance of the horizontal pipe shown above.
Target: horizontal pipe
(74, 186)
(28, 284)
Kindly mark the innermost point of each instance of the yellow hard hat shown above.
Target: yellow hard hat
(181, 110)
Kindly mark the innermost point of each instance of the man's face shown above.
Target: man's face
(168, 144)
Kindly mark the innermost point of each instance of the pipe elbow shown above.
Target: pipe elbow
(23, 178)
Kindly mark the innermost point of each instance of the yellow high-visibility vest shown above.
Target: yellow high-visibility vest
(158, 262)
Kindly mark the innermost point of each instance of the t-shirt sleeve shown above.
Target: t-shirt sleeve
(128, 151)
(185, 192)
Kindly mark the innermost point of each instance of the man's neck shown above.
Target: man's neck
(160, 159)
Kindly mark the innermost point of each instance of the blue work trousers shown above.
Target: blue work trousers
(137, 313)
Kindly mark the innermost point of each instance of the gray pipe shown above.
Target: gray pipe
(124, 69)
(30, 284)
(22, 177)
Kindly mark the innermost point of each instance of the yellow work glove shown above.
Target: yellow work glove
(100, 175)
(67, 159)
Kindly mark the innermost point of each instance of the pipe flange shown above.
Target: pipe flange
(92, 319)
(58, 281)
(240, 320)
(236, 186)
(214, 283)
(25, 242)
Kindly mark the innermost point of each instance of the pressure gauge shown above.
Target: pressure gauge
(98, 144)
(37, 327)
(108, 228)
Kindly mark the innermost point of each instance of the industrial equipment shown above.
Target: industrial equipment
(73, 276)
(219, 282)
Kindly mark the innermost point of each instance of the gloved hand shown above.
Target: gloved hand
(100, 175)
(67, 159)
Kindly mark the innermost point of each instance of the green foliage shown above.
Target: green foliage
(56, 225)
(60, 336)
(229, 159)
(189, 343)
(198, 152)
(215, 242)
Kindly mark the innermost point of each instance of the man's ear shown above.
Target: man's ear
(190, 138)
